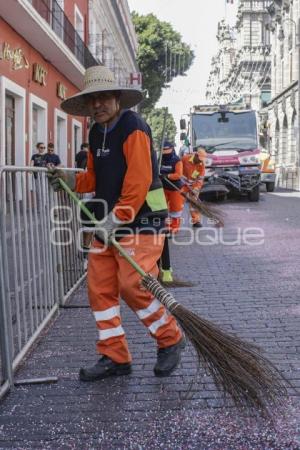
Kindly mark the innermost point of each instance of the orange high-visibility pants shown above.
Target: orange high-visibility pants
(194, 212)
(175, 203)
(110, 277)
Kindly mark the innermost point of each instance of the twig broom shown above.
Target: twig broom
(237, 367)
(204, 208)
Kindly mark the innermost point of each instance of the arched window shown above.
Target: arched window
(293, 138)
(277, 141)
(284, 141)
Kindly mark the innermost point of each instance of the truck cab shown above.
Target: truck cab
(229, 135)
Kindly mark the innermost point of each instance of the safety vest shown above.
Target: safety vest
(110, 167)
(168, 164)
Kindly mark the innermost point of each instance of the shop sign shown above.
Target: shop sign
(135, 79)
(39, 74)
(16, 56)
(61, 91)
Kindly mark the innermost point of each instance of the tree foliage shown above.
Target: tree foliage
(155, 118)
(161, 55)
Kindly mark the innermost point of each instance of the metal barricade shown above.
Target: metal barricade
(38, 269)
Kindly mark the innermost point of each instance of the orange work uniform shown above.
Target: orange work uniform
(172, 169)
(122, 170)
(194, 173)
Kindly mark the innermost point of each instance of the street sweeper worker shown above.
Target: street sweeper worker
(171, 169)
(122, 170)
(194, 172)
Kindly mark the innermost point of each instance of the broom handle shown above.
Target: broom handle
(162, 138)
(98, 224)
(177, 188)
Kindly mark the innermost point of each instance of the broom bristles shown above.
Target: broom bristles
(236, 366)
(211, 212)
(176, 283)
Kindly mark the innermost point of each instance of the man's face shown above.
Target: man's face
(50, 149)
(167, 150)
(104, 107)
(41, 148)
(196, 158)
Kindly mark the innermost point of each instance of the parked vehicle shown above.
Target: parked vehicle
(230, 136)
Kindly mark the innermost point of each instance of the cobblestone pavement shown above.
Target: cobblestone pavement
(251, 290)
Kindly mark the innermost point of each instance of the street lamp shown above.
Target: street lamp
(297, 44)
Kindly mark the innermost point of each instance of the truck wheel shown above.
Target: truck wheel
(253, 196)
(270, 187)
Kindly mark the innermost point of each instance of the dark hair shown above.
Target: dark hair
(84, 145)
(198, 147)
(50, 145)
(39, 144)
(117, 94)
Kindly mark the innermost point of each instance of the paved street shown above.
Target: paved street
(251, 290)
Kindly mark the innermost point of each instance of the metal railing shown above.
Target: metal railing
(63, 28)
(39, 262)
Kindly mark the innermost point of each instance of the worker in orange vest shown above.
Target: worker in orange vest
(122, 170)
(171, 169)
(194, 172)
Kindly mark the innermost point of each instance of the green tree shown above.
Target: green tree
(161, 55)
(155, 118)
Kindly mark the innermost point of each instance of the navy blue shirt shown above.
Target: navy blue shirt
(52, 158)
(38, 160)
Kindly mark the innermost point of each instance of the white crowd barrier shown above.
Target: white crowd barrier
(40, 263)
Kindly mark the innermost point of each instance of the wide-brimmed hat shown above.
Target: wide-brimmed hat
(99, 79)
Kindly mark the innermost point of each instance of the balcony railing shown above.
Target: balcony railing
(51, 11)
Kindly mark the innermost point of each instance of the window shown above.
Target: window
(284, 136)
(92, 36)
(79, 23)
(293, 138)
(61, 136)
(37, 122)
(12, 128)
(79, 35)
(58, 18)
(76, 138)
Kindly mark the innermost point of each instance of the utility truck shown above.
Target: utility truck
(229, 134)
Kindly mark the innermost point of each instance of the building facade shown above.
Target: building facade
(114, 45)
(241, 71)
(45, 48)
(283, 110)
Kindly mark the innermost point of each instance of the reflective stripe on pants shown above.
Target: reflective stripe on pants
(111, 276)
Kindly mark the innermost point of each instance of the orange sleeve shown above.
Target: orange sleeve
(178, 172)
(86, 181)
(138, 177)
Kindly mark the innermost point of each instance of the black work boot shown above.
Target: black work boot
(168, 358)
(197, 225)
(104, 368)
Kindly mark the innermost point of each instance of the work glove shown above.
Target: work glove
(106, 230)
(68, 177)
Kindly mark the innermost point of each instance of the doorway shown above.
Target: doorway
(10, 131)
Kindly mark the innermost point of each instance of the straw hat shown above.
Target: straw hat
(99, 79)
